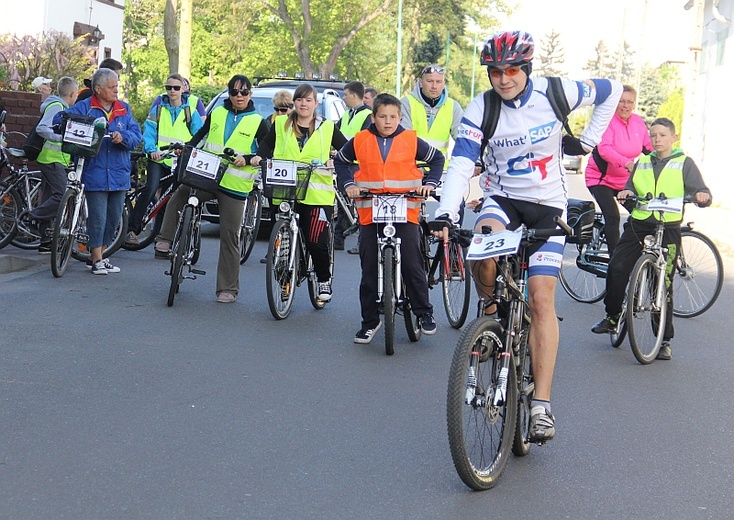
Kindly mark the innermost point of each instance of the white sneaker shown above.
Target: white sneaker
(325, 291)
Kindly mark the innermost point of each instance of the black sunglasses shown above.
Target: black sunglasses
(283, 109)
(234, 91)
(173, 87)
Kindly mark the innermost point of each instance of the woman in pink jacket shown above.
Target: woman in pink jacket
(613, 160)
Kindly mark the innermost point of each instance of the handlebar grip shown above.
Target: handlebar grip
(563, 225)
(229, 152)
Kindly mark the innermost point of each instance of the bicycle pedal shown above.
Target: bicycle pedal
(198, 271)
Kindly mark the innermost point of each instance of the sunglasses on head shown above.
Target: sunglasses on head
(234, 91)
(173, 87)
(283, 110)
(509, 71)
(431, 69)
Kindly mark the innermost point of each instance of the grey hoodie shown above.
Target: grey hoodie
(44, 125)
(431, 112)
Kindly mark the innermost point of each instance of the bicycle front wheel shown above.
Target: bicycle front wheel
(456, 283)
(11, 205)
(250, 224)
(179, 250)
(280, 277)
(25, 241)
(63, 236)
(645, 310)
(480, 433)
(389, 301)
(698, 275)
(526, 389)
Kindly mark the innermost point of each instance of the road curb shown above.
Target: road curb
(13, 263)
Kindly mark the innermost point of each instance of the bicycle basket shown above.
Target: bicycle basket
(295, 192)
(580, 216)
(82, 136)
(200, 169)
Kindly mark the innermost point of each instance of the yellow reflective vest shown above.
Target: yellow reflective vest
(51, 150)
(170, 131)
(236, 179)
(321, 185)
(670, 182)
(439, 135)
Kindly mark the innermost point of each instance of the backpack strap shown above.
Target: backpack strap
(492, 107)
(558, 101)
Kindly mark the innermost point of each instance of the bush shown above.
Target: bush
(206, 92)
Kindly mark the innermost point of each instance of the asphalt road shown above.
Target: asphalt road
(114, 406)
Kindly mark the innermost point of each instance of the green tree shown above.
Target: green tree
(603, 64)
(627, 64)
(553, 57)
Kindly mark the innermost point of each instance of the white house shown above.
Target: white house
(708, 106)
(101, 19)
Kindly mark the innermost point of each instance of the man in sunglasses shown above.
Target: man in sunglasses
(430, 111)
(524, 183)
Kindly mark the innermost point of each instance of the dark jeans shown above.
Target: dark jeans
(153, 182)
(628, 250)
(606, 197)
(54, 186)
(411, 267)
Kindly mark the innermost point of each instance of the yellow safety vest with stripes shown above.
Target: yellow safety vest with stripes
(170, 131)
(237, 179)
(51, 150)
(439, 135)
(349, 128)
(321, 185)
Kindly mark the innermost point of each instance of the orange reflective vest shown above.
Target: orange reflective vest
(398, 173)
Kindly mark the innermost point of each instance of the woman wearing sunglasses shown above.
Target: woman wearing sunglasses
(282, 104)
(172, 120)
(304, 136)
(235, 125)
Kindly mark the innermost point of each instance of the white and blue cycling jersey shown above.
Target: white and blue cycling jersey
(523, 159)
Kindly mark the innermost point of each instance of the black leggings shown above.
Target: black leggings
(606, 197)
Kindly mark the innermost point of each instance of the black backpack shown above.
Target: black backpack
(33, 143)
(493, 105)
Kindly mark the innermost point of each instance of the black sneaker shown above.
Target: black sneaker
(364, 336)
(665, 353)
(428, 324)
(606, 325)
(44, 248)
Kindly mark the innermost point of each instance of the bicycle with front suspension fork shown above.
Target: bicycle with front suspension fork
(491, 383)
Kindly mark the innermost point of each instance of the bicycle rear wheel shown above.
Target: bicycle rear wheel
(620, 332)
(80, 250)
(179, 250)
(645, 317)
(389, 301)
(280, 278)
(698, 275)
(23, 240)
(582, 265)
(11, 206)
(456, 283)
(480, 434)
(63, 237)
(250, 224)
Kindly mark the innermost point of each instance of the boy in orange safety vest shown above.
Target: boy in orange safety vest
(387, 155)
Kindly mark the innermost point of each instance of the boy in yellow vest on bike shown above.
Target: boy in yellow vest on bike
(666, 171)
(387, 155)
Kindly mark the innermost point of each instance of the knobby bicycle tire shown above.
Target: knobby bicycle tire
(280, 279)
(63, 237)
(645, 321)
(480, 435)
(698, 276)
(456, 284)
(11, 205)
(179, 251)
(521, 444)
(388, 298)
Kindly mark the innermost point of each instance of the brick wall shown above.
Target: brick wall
(23, 109)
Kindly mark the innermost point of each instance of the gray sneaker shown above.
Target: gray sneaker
(665, 353)
(542, 425)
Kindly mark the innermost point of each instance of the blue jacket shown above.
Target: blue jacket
(110, 169)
